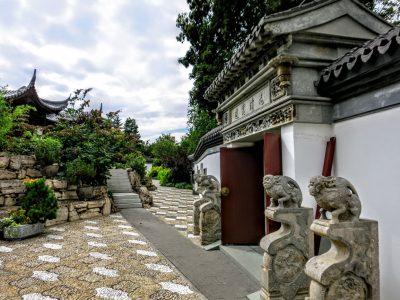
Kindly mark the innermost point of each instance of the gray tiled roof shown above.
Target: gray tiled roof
(210, 139)
(367, 53)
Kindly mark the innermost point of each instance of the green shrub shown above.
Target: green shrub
(153, 172)
(80, 172)
(164, 176)
(47, 151)
(40, 202)
(137, 163)
(7, 222)
(183, 185)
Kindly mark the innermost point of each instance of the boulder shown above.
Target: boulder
(6, 174)
(4, 162)
(95, 212)
(22, 174)
(134, 178)
(79, 205)
(107, 206)
(10, 183)
(62, 216)
(32, 173)
(69, 195)
(15, 162)
(95, 204)
(27, 161)
(59, 184)
(73, 216)
(145, 196)
(10, 201)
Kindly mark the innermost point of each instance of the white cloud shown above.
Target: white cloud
(125, 50)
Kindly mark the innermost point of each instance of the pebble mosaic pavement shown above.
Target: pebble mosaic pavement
(103, 258)
(175, 207)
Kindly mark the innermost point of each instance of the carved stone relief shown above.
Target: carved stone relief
(277, 118)
(350, 269)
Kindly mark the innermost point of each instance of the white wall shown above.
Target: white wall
(303, 152)
(368, 155)
(211, 162)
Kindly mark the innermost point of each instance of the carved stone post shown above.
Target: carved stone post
(210, 211)
(288, 249)
(350, 269)
(201, 183)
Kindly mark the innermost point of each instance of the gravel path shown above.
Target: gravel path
(104, 258)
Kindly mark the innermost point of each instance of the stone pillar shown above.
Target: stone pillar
(207, 211)
(202, 184)
(288, 249)
(350, 269)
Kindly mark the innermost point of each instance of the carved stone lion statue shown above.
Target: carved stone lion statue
(283, 190)
(336, 195)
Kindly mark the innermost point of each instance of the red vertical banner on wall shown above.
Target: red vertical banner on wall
(272, 166)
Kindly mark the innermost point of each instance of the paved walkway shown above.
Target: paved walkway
(213, 273)
(104, 258)
(175, 207)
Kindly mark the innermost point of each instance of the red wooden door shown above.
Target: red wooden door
(242, 211)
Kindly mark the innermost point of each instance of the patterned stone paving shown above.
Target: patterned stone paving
(96, 259)
(175, 207)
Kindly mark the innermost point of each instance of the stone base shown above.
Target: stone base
(350, 269)
(286, 253)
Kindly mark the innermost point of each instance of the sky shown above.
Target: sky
(126, 50)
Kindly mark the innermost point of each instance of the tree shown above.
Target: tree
(131, 129)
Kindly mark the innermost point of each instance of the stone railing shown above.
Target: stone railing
(350, 268)
(73, 204)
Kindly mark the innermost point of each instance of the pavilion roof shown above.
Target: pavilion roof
(28, 95)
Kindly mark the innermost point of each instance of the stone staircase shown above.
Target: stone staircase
(121, 189)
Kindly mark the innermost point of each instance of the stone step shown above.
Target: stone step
(134, 205)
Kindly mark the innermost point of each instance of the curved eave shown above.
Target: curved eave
(29, 91)
(355, 62)
(210, 139)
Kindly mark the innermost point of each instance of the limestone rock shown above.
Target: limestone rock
(59, 184)
(27, 161)
(13, 190)
(73, 216)
(10, 183)
(4, 162)
(10, 201)
(33, 173)
(134, 178)
(22, 174)
(6, 174)
(62, 216)
(69, 195)
(95, 204)
(49, 183)
(107, 206)
(90, 214)
(72, 187)
(1, 201)
(145, 196)
(80, 205)
(15, 162)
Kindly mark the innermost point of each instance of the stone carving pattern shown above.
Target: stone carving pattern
(288, 263)
(277, 118)
(288, 249)
(283, 190)
(336, 195)
(209, 189)
(210, 211)
(350, 269)
(276, 90)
